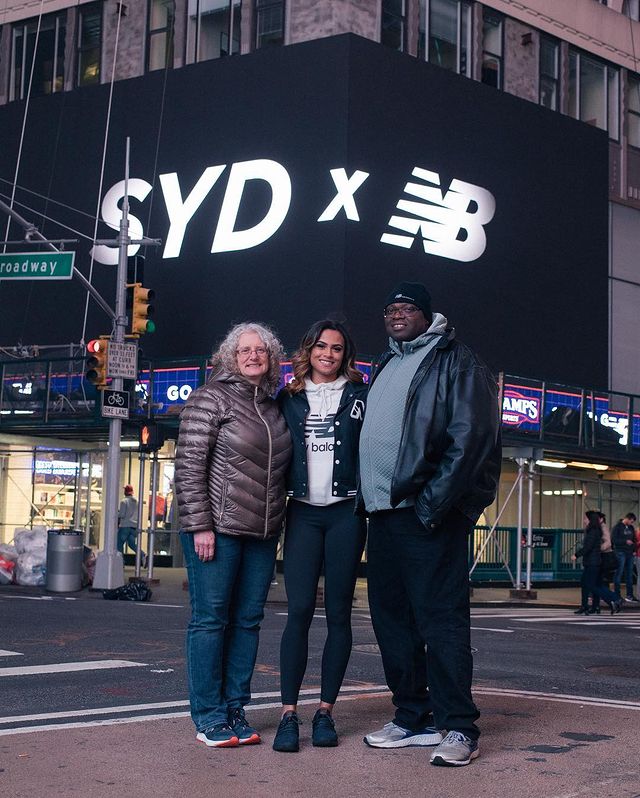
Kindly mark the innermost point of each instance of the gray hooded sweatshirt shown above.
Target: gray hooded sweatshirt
(382, 427)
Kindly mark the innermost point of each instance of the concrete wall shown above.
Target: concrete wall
(309, 19)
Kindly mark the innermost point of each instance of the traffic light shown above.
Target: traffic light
(150, 437)
(97, 352)
(141, 309)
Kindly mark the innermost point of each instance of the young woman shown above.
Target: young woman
(324, 408)
(233, 452)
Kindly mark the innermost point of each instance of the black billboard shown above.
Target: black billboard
(305, 181)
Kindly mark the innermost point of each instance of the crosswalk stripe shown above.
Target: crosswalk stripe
(4, 653)
(67, 667)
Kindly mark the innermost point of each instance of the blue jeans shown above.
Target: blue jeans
(128, 535)
(625, 565)
(227, 596)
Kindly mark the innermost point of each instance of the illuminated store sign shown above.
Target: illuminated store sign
(450, 223)
(518, 409)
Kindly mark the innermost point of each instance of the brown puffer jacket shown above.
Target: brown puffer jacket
(233, 451)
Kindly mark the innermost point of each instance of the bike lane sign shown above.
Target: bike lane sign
(115, 404)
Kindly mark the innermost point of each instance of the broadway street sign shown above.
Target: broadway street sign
(36, 265)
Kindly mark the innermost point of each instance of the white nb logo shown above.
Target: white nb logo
(450, 226)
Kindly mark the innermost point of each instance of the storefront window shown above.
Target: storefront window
(445, 30)
(38, 49)
(631, 9)
(208, 29)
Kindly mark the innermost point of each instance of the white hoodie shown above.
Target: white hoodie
(319, 433)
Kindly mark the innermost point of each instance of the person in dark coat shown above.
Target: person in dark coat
(590, 552)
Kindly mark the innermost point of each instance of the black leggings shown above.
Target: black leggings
(332, 535)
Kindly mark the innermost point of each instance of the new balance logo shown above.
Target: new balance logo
(451, 224)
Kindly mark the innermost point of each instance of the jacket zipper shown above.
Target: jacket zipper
(266, 514)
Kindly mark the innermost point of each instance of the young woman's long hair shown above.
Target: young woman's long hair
(301, 360)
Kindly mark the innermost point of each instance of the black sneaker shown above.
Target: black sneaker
(246, 734)
(324, 730)
(287, 737)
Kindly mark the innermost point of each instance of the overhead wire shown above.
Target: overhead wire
(48, 218)
(25, 115)
(26, 190)
(102, 167)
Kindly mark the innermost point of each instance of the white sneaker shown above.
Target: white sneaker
(456, 749)
(393, 736)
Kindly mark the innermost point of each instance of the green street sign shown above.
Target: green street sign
(36, 265)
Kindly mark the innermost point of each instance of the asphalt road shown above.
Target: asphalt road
(86, 674)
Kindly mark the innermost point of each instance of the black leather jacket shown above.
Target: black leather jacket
(450, 450)
(348, 422)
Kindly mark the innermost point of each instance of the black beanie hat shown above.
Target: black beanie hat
(415, 293)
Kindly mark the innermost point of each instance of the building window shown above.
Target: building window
(594, 93)
(445, 34)
(633, 109)
(492, 49)
(269, 22)
(631, 9)
(208, 30)
(89, 43)
(549, 76)
(47, 57)
(392, 33)
(160, 37)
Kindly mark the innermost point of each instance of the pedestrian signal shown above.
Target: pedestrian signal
(96, 372)
(141, 310)
(150, 437)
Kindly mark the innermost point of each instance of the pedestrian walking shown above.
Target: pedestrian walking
(589, 551)
(608, 565)
(232, 455)
(128, 523)
(623, 537)
(430, 459)
(324, 409)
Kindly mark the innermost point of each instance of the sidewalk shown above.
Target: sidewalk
(170, 590)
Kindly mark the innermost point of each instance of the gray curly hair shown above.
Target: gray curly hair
(225, 358)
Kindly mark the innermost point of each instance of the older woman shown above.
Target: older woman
(232, 455)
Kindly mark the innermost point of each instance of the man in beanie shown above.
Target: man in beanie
(128, 523)
(429, 464)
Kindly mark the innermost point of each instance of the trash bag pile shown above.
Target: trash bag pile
(8, 559)
(31, 547)
(134, 591)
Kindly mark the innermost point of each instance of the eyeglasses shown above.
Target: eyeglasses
(402, 310)
(245, 351)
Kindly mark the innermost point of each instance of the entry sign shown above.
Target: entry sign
(122, 360)
(36, 265)
(115, 404)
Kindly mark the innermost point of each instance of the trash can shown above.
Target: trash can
(64, 560)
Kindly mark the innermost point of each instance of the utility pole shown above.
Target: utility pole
(109, 563)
